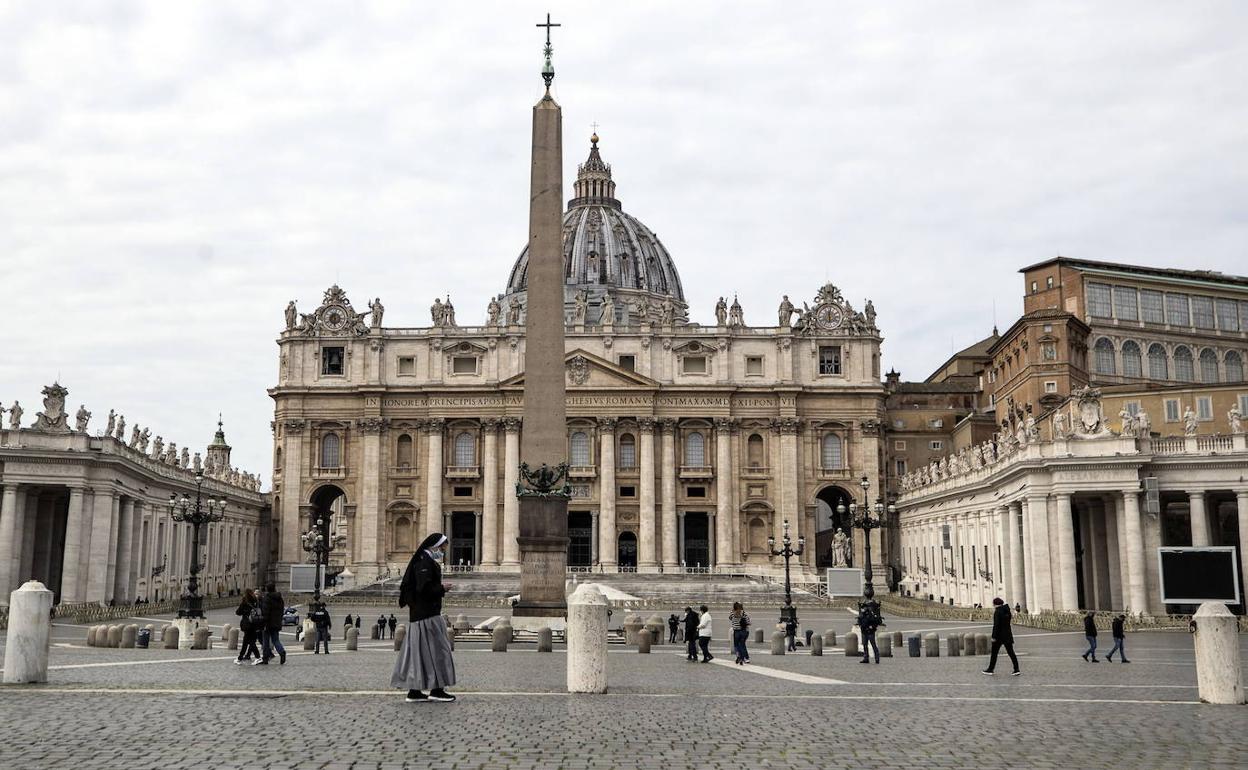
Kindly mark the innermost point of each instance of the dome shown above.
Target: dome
(607, 251)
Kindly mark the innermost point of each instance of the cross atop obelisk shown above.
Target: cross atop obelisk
(548, 69)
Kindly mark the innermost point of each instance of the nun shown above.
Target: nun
(424, 661)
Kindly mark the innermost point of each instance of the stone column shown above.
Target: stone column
(734, 523)
(604, 544)
(125, 544)
(668, 470)
(1137, 593)
(97, 562)
(594, 551)
(1200, 519)
(72, 560)
(1018, 584)
(511, 503)
(1119, 529)
(789, 494)
(680, 536)
(371, 508)
(433, 476)
(476, 541)
(1102, 560)
(1241, 513)
(712, 547)
(24, 542)
(293, 469)
(1038, 512)
(488, 534)
(1069, 593)
(645, 498)
(114, 534)
(723, 494)
(9, 545)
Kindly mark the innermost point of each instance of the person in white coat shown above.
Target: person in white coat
(704, 633)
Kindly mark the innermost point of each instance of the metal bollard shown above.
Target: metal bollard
(885, 643)
(777, 643)
(501, 637)
(816, 645)
(953, 647)
(915, 645)
(643, 641)
(545, 639)
(353, 638)
(931, 645)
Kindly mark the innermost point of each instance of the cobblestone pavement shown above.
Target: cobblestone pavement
(147, 708)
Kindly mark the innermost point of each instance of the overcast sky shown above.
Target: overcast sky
(172, 173)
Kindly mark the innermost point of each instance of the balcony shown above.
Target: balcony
(401, 471)
(582, 472)
(760, 471)
(329, 473)
(463, 471)
(696, 472)
(835, 473)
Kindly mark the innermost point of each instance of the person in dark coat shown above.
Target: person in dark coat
(425, 661)
(869, 621)
(381, 626)
(1120, 639)
(673, 627)
(393, 623)
(1002, 636)
(691, 632)
(320, 618)
(1089, 633)
(346, 625)
(249, 606)
(273, 606)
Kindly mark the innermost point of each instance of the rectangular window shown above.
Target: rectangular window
(1152, 310)
(936, 446)
(829, 359)
(464, 365)
(901, 467)
(1172, 410)
(754, 366)
(899, 445)
(935, 423)
(1228, 315)
(1050, 386)
(1033, 287)
(628, 452)
(462, 492)
(899, 424)
(628, 491)
(1202, 312)
(1132, 407)
(694, 364)
(332, 361)
(1243, 315)
(695, 492)
(1048, 282)
(407, 365)
(1176, 310)
(1204, 408)
(628, 363)
(1243, 403)
(1098, 300)
(1125, 307)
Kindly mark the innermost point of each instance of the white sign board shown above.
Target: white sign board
(303, 578)
(844, 581)
(1194, 575)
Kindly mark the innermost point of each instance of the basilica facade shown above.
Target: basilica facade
(689, 444)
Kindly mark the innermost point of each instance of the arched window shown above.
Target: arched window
(695, 449)
(277, 459)
(465, 450)
(580, 448)
(1103, 359)
(1208, 365)
(832, 455)
(1234, 367)
(754, 451)
(402, 534)
(1184, 366)
(331, 451)
(628, 451)
(403, 453)
(1132, 362)
(1158, 369)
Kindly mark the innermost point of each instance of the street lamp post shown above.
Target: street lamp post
(861, 519)
(319, 541)
(197, 513)
(788, 552)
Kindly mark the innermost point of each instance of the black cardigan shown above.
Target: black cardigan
(422, 591)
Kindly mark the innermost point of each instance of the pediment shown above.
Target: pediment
(586, 371)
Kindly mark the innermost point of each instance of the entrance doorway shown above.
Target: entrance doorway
(463, 537)
(626, 552)
(697, 551)
(827, 521)
(580, 539)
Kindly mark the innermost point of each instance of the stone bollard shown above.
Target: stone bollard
(128, 635)
(953, 647)
(502, 637)
(777, 643)
(632, 625)
(851, 645)
(225, 632)
(91, 632)
(545, 639)
(898, 639)
(931, 645)
(376, 632)
(914, 645)
(981, 644)
(164, 636)
(816, 645)
(1219, 672)
(829, 638)
(461, 623)
(232, 642)
(587, 640)
(353, 638)
(758, 636)
(643, 641)
(885, 643)
(309, 635)
(30, 628)
(968, 643)
(656, 632)
(114, 636)
(203, 639)
(400, 633)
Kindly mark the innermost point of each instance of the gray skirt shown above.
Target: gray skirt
(424, 661)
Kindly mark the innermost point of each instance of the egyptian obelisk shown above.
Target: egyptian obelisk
(543, 536)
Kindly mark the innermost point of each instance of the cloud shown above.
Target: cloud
(172, 173)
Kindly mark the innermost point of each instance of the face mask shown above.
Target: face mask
(437, 554)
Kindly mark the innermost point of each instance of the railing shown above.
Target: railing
(329, 473)
(582, 472)
(463, 471)
(1173, 445)
(1214, 444)
(404, 470)
(696, 471)
(459, 568)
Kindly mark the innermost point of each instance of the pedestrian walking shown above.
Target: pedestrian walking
(320, 618)
(1119, 631)
(740, 623)
(381, 625)
(1089, 633)
(425, 661)
(869, 621)
(393, 623)
(691, 633)
(1002, 636)
(251, 623)
(673, 626)
(273, 607)
(790, 630)
(704, 634)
